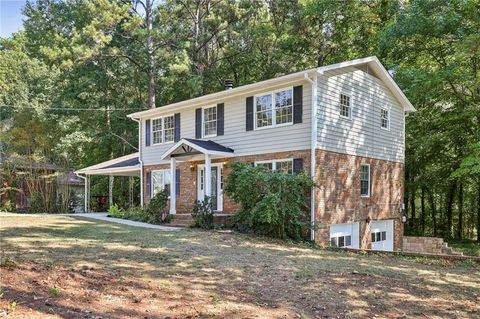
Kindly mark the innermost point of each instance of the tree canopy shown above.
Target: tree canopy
(79, 66)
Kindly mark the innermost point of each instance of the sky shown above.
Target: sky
(10, 16)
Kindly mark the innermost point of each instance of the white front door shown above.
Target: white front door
(382, 234)
(217, 185)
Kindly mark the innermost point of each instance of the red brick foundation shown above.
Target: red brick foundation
(338, 197)
(337, 194)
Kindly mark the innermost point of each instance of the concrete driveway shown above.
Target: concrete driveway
(104, 217)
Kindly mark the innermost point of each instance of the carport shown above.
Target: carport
(127, 166)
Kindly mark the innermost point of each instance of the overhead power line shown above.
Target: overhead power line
(66, 108)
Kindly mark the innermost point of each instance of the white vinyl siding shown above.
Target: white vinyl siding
(275, 139)
(363, 135)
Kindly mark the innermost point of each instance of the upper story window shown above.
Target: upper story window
(385, 119)
(210, 121)
(163, 129)
(274, 108)
(285, 166)
(365, 180)
(345, 106)
(160, 181)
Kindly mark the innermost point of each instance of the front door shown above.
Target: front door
(216, 182)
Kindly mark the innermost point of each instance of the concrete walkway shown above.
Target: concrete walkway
(103, 216)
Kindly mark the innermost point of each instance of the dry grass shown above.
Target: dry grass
(103, 270)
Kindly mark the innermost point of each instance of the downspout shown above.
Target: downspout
(140, 158)
(313, 147)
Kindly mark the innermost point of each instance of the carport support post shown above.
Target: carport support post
(110, 190)
(87, 192)
(208, 176)
(173, 177)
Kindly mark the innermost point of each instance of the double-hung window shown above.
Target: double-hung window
(163, 129)
(274, 108)
(210, 121)
(160, 181)
(157, 131)
(345, 106)
(384, 119)
(285, 166)
(365, 180)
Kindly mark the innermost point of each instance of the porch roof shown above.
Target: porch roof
(128, 165)
(192, 148)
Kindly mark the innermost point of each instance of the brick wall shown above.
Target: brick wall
(189, 173)
(338, 197)
(429, 245)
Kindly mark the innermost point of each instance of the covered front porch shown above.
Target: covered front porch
(193, 163)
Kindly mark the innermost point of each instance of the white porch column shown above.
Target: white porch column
(87, 193)
(173, 166)
(208, 176)
(110, 190)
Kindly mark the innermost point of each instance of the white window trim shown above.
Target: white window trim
(349, 117)
(274, 115)
(152, 186)
(203, 120)
(369, 181)
(388, 119)
(163, 129)
(274, 162)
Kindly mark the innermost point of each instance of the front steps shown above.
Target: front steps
(181, 220)
(186, 219)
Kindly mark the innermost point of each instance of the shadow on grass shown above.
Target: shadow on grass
(245, 271)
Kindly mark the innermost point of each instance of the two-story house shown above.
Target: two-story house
(342, 124)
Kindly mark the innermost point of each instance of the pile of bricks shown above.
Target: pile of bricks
(428, 245)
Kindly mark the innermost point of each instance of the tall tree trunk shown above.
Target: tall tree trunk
(412, 208)
(150, 53)
(460, 212)
(478, 214)
(422, 213)
(449, 209)
(434, 212)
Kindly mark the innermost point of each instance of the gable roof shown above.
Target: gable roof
(372, 62)
(200, 146)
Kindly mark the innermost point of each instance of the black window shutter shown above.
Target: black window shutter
(297, 104)
(177, 182)
(198, 123)
(147, 133)
(249, 119)
(177, 127)
(298, 165)
(148, 184)
(220, 116)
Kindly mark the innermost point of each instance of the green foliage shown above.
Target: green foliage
(273, 203)
(154, 213)
(53, 291)
(37, 206)
(114, 209)
(203, 213)
(156, 210)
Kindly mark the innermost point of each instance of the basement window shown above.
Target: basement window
(341, 241)
(379, 236)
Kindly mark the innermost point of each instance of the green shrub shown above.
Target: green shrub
(156, 212)
(273, 203)
(114, 209)
(203, 213)
(37, 205)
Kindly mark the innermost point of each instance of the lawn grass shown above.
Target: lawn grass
(468, 247)
(118, 271)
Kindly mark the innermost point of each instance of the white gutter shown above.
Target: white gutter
(313, 147)
(140, 158)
